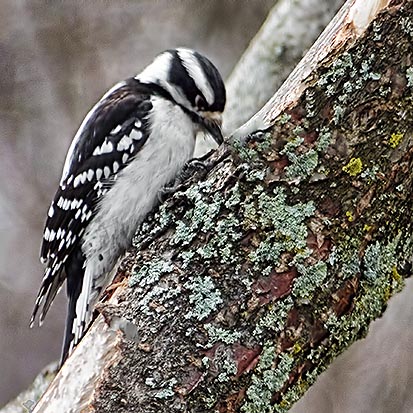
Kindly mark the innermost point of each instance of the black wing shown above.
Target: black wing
(109, 137)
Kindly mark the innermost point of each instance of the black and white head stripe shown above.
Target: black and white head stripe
(193, 66)
(190, 78)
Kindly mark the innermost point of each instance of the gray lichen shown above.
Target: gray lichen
(227, 367)
(204, 297)
(274, 318)
(324, 139)
(409, 76)
(271, 374)
(311, 277)
(166, 390)
(380, 260)
(301, 165)
(149, 274)
(216, 334)
(285, 223)
(337, 71)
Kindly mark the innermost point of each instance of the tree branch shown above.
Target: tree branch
(288, 32)
(252, 280)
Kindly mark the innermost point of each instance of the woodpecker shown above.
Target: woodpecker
(131, 144)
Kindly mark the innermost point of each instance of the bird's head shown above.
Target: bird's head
(194, 83)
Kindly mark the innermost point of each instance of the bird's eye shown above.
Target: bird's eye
(200, 102)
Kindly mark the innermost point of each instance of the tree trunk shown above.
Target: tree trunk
(245, 285)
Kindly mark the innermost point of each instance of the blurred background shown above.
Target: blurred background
(56, 59)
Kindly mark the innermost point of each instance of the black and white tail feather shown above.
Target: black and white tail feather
(132, 143)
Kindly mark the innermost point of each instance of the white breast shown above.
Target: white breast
(135, 192)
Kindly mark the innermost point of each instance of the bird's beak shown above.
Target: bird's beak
(212, 123)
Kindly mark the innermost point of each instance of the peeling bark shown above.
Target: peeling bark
(246, 284)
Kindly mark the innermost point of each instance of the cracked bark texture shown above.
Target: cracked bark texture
(246, 284)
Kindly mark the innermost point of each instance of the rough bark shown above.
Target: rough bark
(243, 286)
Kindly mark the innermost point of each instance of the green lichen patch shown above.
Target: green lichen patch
(200, 217)
(227, 367)
(287, 220)
(370, 174)
(284, 226)
(324, 139)
(207, 221)
(274, 318)
(166, 391)
(186, 257)
(368, 306)
(234, 198)
(303, 160)
(377, 284)
(311, 277)
(357, 70)
(339, 112)
(150, 273)
(222, 242)
(380, 260)
(380, 282)
(219, 334)
(269, 251)
(159, 295)
(204, 297)
(303, 157)
(301, 165)
(291, 145)
(337, 71)
(284, 118)
(310, 102)
(350, 262)
(204, 213)
(184, 233)
(249, 150)
(255, 175)
(267, 380)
